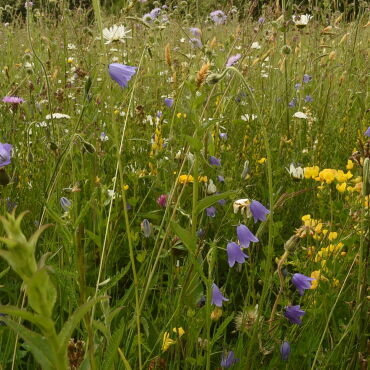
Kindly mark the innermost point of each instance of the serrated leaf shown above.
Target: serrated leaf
(185, 236)
(112, 347)
(67, 330)
(41, 292)
(208, 201)
(38, 345)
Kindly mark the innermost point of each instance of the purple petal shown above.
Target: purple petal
(245, 236)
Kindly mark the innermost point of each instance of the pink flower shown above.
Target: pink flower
(162, 200)
(13, 99)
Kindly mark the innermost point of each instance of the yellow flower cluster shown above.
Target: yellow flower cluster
(167, 341)
(317, 230)
(184, 179)
(330, 175)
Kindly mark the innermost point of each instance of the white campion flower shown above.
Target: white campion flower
(300, 115)
(115, 33)
(247, 117)
(296, 173)
(256, 45)
(301, 20)
(242, 205)
(211, 188)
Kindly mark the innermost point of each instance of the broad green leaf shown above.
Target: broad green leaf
(208, 201)
(112, 347)
(38, 345)
(186, 237)
(42, 322)
(41, 293)
(67, 330)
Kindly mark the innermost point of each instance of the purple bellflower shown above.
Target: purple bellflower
(213, 161)
(168, 102)
(121, 73)
(5, 154)
(258, 210)
(308, 99)
(307, 78)
(235, 254)
(211, 211)
(228, 360)
(245, 236)
(285, 350)
(294, 313)
(65, 203)
(301, 282)
(217, 297)
(367, 132)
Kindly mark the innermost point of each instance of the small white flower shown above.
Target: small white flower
(242, 205)
(296, 173)
(115, 33)
(256, 45)
(71, 47)
(247, 117)
(300, 115)
(104, 137)
(57, 116)
(211, 188)
(301, 20)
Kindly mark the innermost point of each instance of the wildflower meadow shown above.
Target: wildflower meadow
(184, 184)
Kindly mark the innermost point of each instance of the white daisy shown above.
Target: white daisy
(116, 33)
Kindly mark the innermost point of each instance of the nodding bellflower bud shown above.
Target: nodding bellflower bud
(65, 203)
(146, 228)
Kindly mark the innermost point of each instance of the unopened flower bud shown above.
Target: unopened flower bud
(286, 49)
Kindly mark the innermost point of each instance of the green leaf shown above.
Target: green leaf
(221, 329)
(3, 273)
(42, 322)
(124, 360)
(186, 236)
(112, 347)
(38, 345)
(208, 201)
(194, 143)
(67, 330)
(41, 293)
